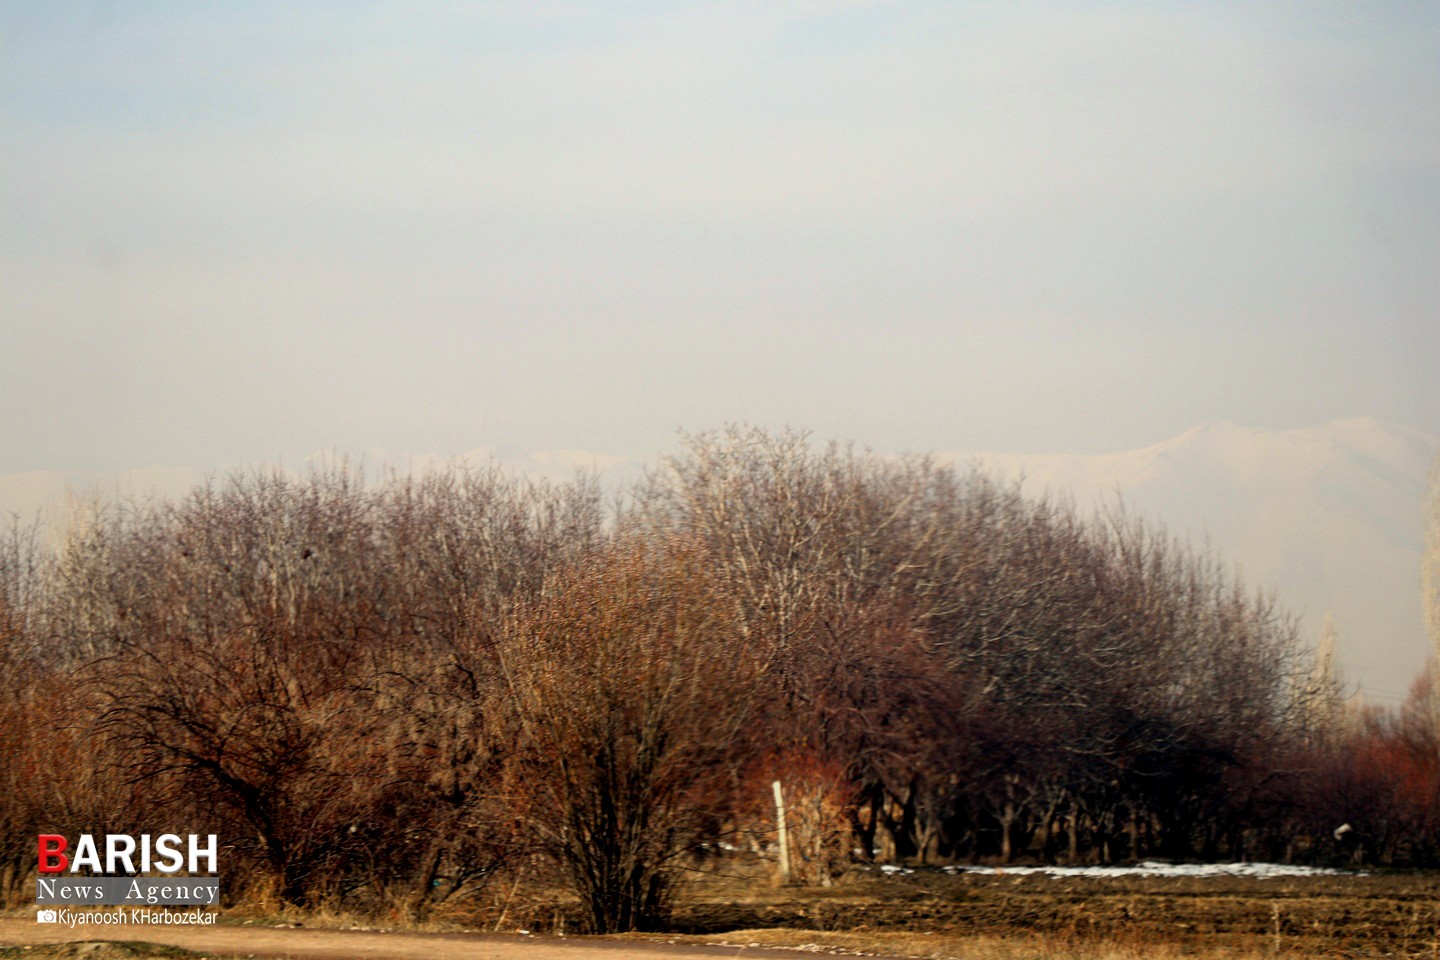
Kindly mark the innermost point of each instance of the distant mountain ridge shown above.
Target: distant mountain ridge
(1329, 517)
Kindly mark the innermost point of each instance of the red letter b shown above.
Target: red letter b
(52, 853)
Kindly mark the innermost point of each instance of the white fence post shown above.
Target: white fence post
(784, 836)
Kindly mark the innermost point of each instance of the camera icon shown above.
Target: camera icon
(46, 916)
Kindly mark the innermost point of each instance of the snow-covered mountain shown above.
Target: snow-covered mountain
(1329, 517)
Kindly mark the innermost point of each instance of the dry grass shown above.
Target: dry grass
(939, 946)
(97, 950)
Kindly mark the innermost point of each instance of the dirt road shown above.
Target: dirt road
(265, 942)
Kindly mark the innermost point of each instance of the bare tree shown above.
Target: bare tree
(632, 690)
(1430, 572)
(290, 655)
(20, 803)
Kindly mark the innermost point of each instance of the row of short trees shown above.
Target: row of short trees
(392, 694)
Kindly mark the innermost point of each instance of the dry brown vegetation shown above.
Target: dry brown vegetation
(465, 695)
(96, 950)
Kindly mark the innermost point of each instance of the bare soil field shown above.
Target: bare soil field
(1350, 916)
(988, 916)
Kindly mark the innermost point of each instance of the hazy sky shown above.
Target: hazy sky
(250, 231)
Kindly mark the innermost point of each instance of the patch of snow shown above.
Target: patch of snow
(1156, 868)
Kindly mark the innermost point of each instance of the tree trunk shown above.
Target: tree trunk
(1007, 829)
